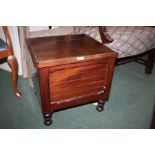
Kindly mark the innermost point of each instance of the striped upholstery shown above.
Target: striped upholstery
(127, 40)
(2, 45)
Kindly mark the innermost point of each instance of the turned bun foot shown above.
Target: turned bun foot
(100, 106)
(99, 109)
(18, 94)
(47, 119)
(47, 123)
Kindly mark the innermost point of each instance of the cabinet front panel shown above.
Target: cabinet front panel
(74, 82)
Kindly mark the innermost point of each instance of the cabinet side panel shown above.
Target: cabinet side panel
(35, 80)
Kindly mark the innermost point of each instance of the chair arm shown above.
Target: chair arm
(104, 35)
(8, 40)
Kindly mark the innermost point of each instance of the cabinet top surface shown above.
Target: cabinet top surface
(55, 50)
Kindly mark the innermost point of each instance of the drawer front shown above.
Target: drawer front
(75, 82)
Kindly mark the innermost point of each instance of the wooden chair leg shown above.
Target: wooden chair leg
(150, 63)
(14, 67)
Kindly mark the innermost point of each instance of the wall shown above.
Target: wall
(16, 46)
(38, 28)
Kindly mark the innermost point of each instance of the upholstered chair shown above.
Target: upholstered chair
(6, 52)
(130, 42)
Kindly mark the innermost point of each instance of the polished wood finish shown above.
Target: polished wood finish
(104, 35)
(12, 61)
(50, 54)
(72, 70)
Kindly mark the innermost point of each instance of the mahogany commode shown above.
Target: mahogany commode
(71, 70)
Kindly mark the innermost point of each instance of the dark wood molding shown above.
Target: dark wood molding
(104, 35)
(72, 70)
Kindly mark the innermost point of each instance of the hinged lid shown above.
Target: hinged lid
(57, 50)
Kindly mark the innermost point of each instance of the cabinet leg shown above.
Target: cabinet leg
(47, 119)
(100, 106)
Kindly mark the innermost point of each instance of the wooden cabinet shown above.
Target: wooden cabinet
(72, 70)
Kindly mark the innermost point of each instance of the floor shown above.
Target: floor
(130, 105)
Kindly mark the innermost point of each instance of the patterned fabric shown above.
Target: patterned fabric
(128, 40)
(2, 45)
(131, 40)
(91, 31)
